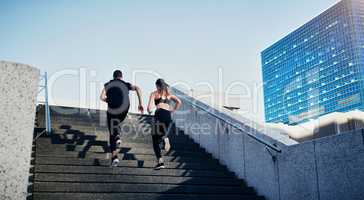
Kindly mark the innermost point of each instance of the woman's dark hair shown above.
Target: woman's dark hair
(163, 87)
(117, 74)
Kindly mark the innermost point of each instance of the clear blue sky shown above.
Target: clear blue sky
(181, 40)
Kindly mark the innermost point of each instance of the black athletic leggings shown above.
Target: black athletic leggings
(162, 124)
(113, 123)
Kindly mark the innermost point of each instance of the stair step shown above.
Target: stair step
(133, 138)
(139, 129)
(98, 118)
(145, 157)
(136, 187)
(148, 140)
(102, 178)
(140, 196)
(130, 171)
(104, 149)
(126, 163)
(47, 142)
(96, 146)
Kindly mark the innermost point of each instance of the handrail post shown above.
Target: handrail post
(43, 87)
(46, 105)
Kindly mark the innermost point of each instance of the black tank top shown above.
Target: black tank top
(160, 100)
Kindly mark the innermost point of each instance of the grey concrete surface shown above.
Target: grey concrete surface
(18, 86)
(340, 166)
(231, 147)
(260, 169)
(330, 168)
(297, 172)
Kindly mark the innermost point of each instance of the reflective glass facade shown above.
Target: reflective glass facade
(317, 69)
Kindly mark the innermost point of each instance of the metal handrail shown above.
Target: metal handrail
(267, 144)
(44, 88)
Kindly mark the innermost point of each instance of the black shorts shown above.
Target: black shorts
(115, 120)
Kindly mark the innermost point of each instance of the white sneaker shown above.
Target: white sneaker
(160, 164)
(115, 162)
(167, 145)
(118, 143)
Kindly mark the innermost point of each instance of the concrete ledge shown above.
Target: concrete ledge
(18, 86)
(330, 168)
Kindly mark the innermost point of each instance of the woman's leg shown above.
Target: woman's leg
(157, 140)
(157, 137)
(156, 146)
(167, 122)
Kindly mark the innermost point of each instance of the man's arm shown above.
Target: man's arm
(150, 103)
(140, 99)
(103, 96)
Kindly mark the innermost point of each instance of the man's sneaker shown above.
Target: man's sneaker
(118, 143)
(115, 162)
(159, 166)
(167, 145)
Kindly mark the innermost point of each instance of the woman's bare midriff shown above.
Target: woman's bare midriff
(164, 106)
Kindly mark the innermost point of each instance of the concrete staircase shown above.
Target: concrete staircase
(74, 164)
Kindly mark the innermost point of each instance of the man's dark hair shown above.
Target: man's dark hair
(117, 74)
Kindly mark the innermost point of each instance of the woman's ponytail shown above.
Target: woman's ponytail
(163, 86)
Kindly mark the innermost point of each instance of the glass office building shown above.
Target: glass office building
(317, 69)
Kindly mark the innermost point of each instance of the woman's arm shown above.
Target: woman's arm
(150, 103)
(177, 101)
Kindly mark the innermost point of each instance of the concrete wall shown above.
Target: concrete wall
(18, 91)
(324, 169)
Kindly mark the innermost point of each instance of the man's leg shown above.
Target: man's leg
(113, 123)
(115, 137)
(121, 119)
